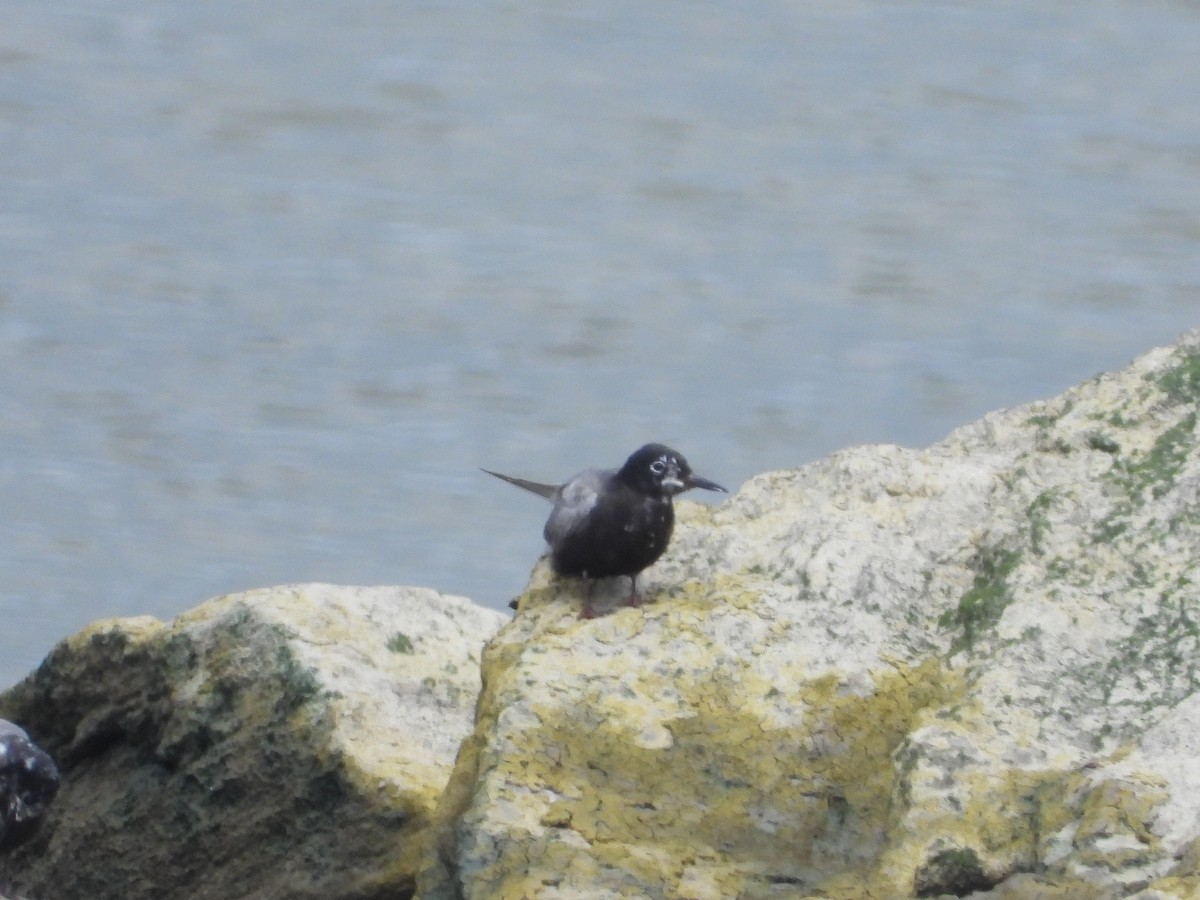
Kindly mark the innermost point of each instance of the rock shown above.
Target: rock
(891, 673)
(282, 743)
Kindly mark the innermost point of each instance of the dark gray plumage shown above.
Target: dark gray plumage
(610, 522)
(28, 782)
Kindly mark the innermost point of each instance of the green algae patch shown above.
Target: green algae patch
(400, 643)
(1155, 665)
(1157, 470)
(1182, 383)
(1039, 518)
(984, 603)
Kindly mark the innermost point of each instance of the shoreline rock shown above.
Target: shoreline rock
(891, 673)
(288, 742)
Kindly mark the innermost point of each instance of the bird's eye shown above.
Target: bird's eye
(658, 466)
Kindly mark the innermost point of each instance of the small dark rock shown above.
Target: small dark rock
(955, 871)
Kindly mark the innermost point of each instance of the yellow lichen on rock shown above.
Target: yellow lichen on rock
(621, 771)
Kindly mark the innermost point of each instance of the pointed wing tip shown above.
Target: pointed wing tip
(547, 491)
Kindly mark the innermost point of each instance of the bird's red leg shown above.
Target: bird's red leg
(634, 599)
(587, 612)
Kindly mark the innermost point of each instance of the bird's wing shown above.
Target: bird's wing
(8, 729)
(574, 502)
(549, 491)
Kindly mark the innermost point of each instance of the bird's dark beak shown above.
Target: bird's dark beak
(695, 481)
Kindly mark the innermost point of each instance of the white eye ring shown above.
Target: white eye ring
(658, 466)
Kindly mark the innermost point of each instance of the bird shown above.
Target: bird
(612, 522)
(28, 782)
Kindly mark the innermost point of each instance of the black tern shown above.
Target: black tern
(611, 522)
(28, 782)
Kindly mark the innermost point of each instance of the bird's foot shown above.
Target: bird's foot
(588, 612)
(634, 600)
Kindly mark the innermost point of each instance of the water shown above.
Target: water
(274, 283)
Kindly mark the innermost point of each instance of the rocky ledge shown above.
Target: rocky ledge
(966, 670)
(284, 743)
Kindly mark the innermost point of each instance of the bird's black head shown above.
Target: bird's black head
(659, 471)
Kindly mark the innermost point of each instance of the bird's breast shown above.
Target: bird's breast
(621, 535)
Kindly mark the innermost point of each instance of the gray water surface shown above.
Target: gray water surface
(275, 281)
